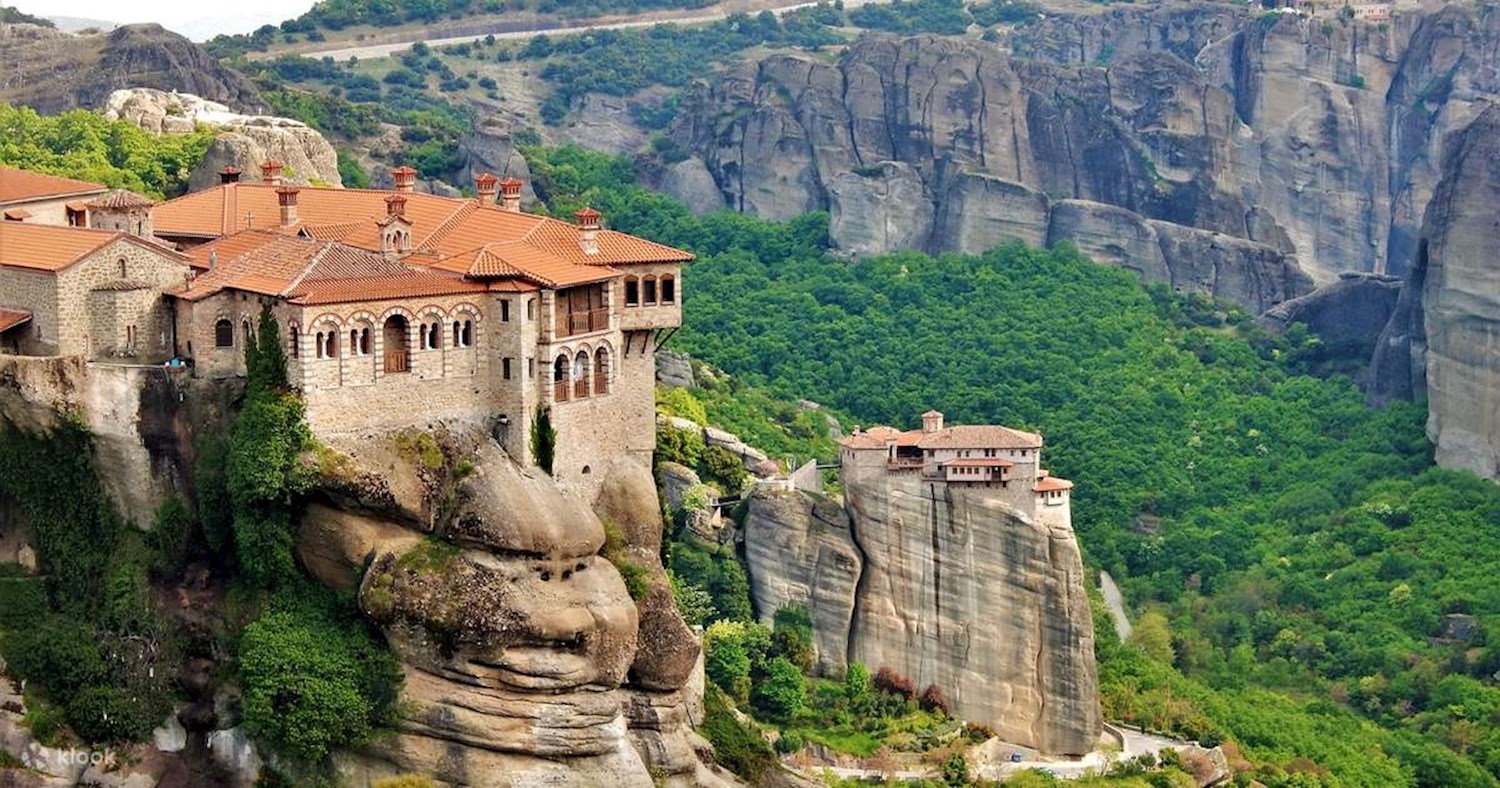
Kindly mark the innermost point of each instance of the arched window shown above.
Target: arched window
(293, 341)
(581, 374)
(435, 335)
(560, 378)
(468, 333)
(648, 290)
(632, 291)
(668, 289)
(223, 334)
(245, 331)
(122, 268)
(328, 344)
(353, 341)
(601, 371)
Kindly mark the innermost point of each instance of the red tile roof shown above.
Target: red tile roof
(309, 271)
(26, 186)
(52, 248)
(958, 436)
(443, 226)
(120, 199)
(10, 318)
(1051, 484)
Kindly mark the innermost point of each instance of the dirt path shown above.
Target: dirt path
(512, 31)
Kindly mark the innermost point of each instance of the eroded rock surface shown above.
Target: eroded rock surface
(243, 141)
(527, 661)
(1444, 339)
(959, 590)
(1310, 145)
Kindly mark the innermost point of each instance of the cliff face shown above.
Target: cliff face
(52, 71)
(1198, 144)
(1444, 339)
(954, 588)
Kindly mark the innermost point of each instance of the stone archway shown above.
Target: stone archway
(397, 344)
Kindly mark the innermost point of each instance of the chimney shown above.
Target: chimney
(406, 179)
(484, 186)
(229, 174)
(588, 230)
(270, 172)
(395, 205)
(286, 197)
(932, 421)
(510, 194)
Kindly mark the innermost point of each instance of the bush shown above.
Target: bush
(933, 699)
(110, 715)
(783, 691)
(726, 468)
(890, 682)
(543, 439)
(740, 748)
(315, 676)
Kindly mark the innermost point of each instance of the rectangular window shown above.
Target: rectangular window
(505, 368)
(531, 367)
(505, 310)
(531, 309)
(649, 286)
(632, 292)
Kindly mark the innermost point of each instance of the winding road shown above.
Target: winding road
(504, 31)
(1115, 601)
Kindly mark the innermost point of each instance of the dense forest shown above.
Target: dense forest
(1309, 587)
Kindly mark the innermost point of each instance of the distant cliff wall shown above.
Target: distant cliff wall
(1199, 144)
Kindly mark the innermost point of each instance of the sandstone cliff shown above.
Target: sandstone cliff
(1444, 339)
(1291, 147)
(53, 71)
(961, 591)
(243, 141)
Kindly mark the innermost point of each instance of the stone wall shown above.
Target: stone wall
(144, 269)
(35, 291)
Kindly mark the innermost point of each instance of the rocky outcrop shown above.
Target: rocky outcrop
(489, 148)
(526, 659)
(53, 71)
(961, 591)
(243, 141)
(800, 552)
(1444, 339)
(1347, 315)
(1313, 139)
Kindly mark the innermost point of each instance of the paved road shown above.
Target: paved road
(1116, 603)
(551, 29)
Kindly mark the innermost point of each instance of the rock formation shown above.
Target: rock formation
(1308, 146)
(1443, 342)
(52, 71)
(243, 141)
(1347, 315)
(963, 592)
(527, 661)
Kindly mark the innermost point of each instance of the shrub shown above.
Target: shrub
(783, 691)
(543, 439)
(890, 682)
(315, 677)
(110, 715)
(933, 699)
(740, 748)
(724, 466)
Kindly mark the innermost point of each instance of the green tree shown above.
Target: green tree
(783, 691)
(543, 439)
(1153, 636)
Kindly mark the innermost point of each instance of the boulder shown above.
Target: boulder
(674, 369)
(243, 141)
(1347, 315)
(233, 750)
(878, 209)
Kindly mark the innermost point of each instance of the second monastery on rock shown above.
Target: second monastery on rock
(396, 307)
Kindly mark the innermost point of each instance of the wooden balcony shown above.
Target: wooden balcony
(573, 323)
(601, 383)
(581, 388)
(560, 391)
(397, 361)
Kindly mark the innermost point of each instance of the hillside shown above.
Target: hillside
(1288, 538)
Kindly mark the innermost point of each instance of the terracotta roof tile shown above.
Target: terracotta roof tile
(46, 247)
(980, 436)
(120, 199)
(25, 186)
(409, 284)
(10, 318)
(17, 214)
(1051, 484)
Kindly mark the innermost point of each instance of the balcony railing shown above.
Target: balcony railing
(905, 463)
(581, 387)
(397, 361)
(570, 323)
(601, 383)
(560, 391)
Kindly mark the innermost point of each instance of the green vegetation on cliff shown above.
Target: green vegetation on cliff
(1298, 542)
(82, 144)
